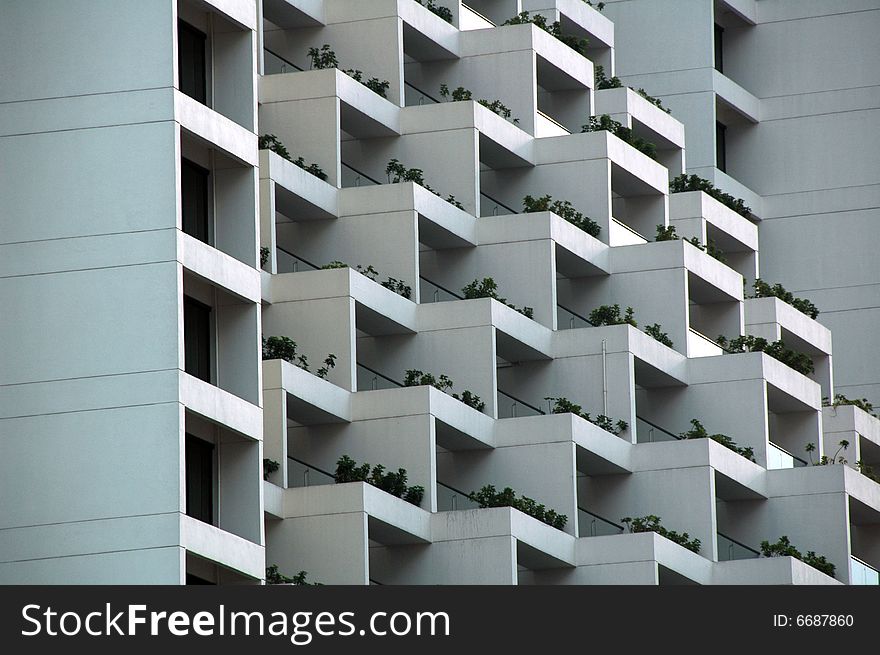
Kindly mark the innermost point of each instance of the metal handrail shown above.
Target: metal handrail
(442, 288)
(381, 375)
(521, 402)
(627, 227)
(576, 315)
(709, 339)
(792, 455)
(600, 518)
(554, 121)
(363, 175)
(297, 257)
(740, 544)
(284, 59)
(311, 467)
(427, 95)
(497, 202)
(478, 14)
(657, 427)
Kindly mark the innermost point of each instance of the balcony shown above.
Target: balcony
(450, 499)
(510, 407)
(779, 458)
(862, 573)
(593, 525)
(730, 549)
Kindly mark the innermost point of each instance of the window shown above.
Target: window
(191, 62)
(721, 146)
(719, 48)
(197, 338)
(194, 200)
(199, 479)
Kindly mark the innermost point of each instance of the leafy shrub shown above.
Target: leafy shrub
(840, 399)
(488, 496)
(610, 315)
(269, 467)
(415, 378)
(326, 58)
(285, 348)
(487, 288)
(398, 173)
(314, 169)
(563, 209)
(867, 471)
(684, 183)
(443, 12)
(461, 94)
(655, 331)
(651, 523)
(666, 233)
(710, 248)
(784, 548)
(837, 458)
(264, 256)
(765, 290)
(599, 6)
(373, 84)
(347, 470)
(603, 82)
(605, 122)
(699, 432)
(654, 101)
(273, 143)
(579, 45)
(273, 576)
(471, 400)
(800, 362)
(398, 286)
(392, 284)
(562, 405)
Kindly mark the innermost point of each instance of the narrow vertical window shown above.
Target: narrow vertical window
(199, 479)
(194, 183)
(719, 48)
(191, 61)
(721, 146)
(197, 338)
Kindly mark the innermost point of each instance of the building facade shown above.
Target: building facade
(401, 292)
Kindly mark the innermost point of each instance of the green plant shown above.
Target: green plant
(666, 233)
(765, 290)
(398, 173)
(654, 101)
(488, 496)
(603, 82)
(398, 286)
(684, 183)
(314, 169)
(867, 471)
(269, 467)
(710, 248)
(285, 348)
(273, 143)
(606, 123)
(373, 84)
(784, 548)
(699, 432)
(264, 256)
(577, 44)
(599, 6)
(800, 362)
(461, 94)
(347, 470)
(273, 576)
(610, 315)
(323, 58)
(655, 331)
(840, 399)
(443, 12)
(471, 400)
(564, 209)
(487, 288)
(837, 458)
(334, 264)
(651, 523)
(562, 405)
(415, 378)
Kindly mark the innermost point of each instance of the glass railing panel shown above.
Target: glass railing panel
(730, 549)
(648, 432)
(569, 320)
(621, 234)
(491, 207)
(274, 64)
(510, 407)
(413, 96)
(777, 458)
(699, 345)
(301, 474)
(593, 525)
(351, 177)
(290, 263)
(470, 19)
(450, 499)
(432, 292)
(862, 573)
(370, 380)
(546, 126)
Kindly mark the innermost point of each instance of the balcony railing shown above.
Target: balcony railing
(699, 345)
(290, 263)
(510, 407)
(593, 525)
(414, 96)
(621, 234)
(491, 207)
(730, 549)
(450, 499)
(273, 63)
(352, 177)
(648, 432)
(546, 126)
(779, 458)
(566, 319)
(862, 573)
(471, 19)
(370, 380)
(303, 474)
(433, 292)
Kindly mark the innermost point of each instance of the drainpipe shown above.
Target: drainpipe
(604, 378)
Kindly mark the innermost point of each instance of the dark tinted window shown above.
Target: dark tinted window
(197, 338)
(721, 146)
(199, 479)
(194, 199)
(191, 62)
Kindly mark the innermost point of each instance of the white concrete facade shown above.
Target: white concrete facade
(131, 364)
